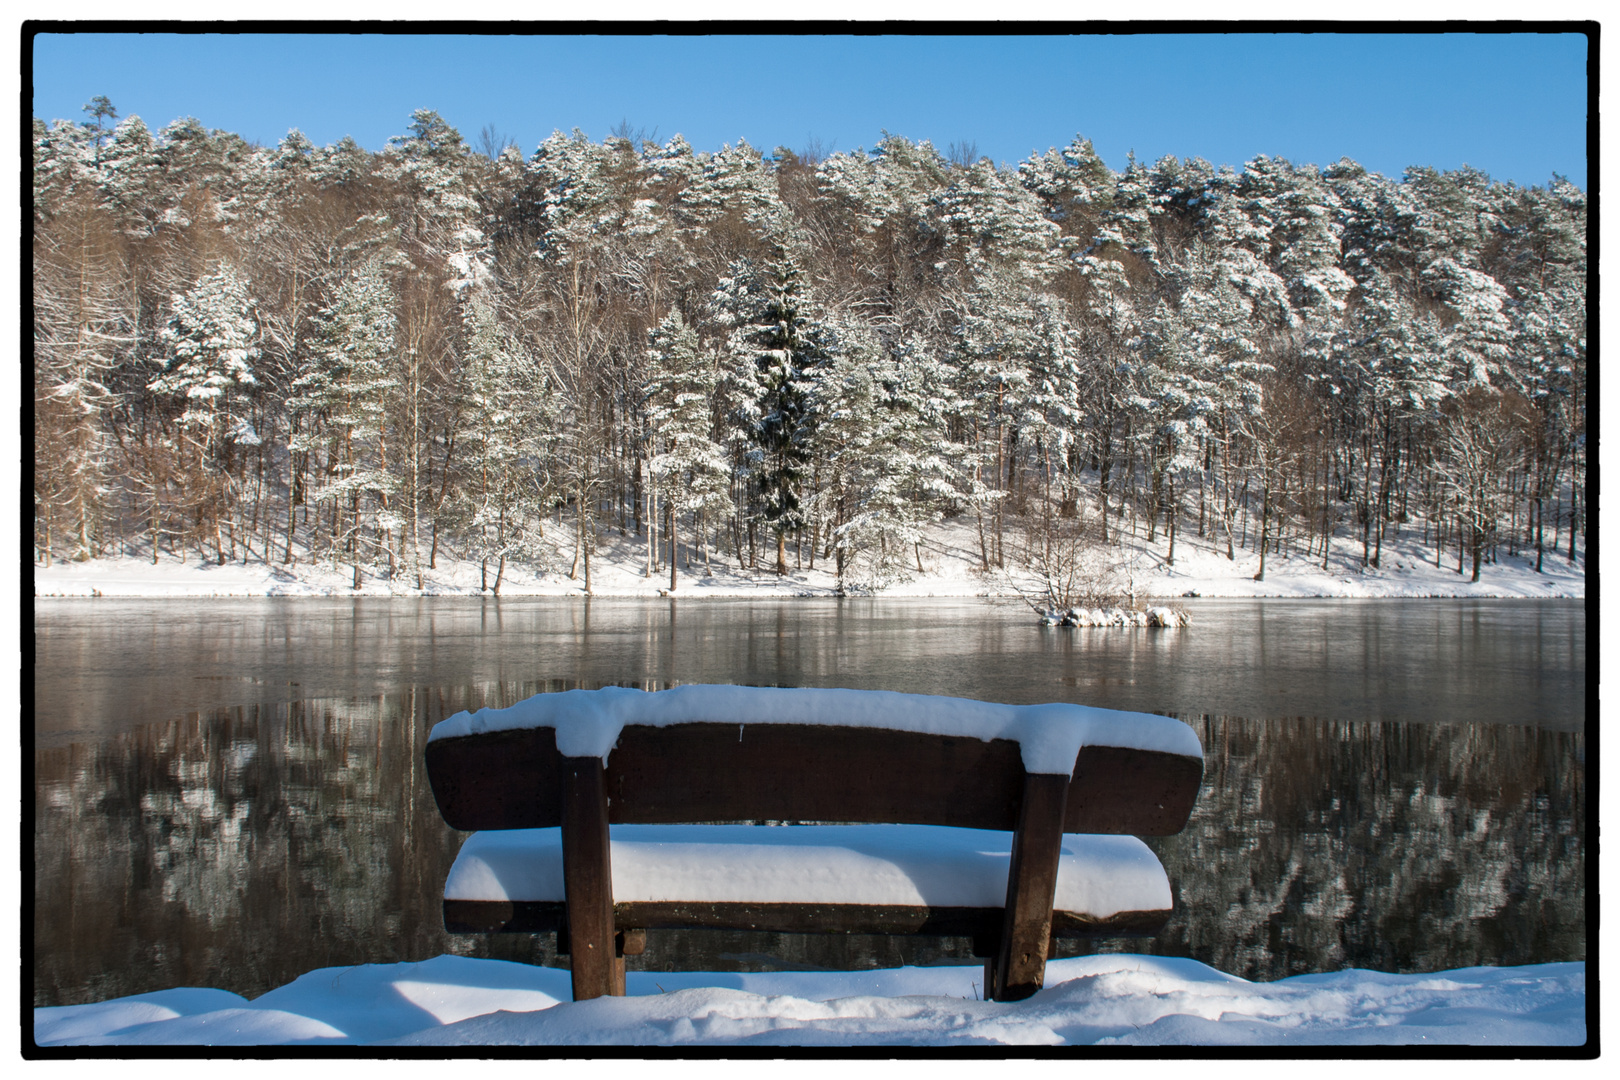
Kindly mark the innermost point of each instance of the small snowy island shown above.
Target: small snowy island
(1162, 617)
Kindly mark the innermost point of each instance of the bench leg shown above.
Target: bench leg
(588, 881)
(1020, 963)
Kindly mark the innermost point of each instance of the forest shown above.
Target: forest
(447, 349)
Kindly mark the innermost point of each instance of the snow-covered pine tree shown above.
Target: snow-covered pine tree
(1126, 225)
(1457, 214)
(888, 465)
(500, 423)
(581, 328)
(1109, 326)
(1074, 185)
(773, 344)
(343, 165)
(100, 109)
(688, 467)
(1306, 238)
(434, 178)
(880, 250)
(1009, 375)
(1543, 266)
(995, 336)
(432, 166)
(344, 391)
(211, 345)
(63, 155)
(1240, 215)
(129, 177)
(202, 172)
(1198, 381)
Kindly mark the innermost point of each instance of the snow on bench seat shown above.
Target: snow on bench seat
(924, 866)
(588, 722)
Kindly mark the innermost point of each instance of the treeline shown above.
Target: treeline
(381, 359)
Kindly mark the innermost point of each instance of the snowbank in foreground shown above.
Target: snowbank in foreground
(950, 555)
(1097, 1000)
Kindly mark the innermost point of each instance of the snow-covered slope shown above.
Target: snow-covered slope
(951, 567)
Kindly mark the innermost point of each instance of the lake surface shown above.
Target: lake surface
(230, 793)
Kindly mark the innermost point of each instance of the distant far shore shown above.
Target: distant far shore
(952, 567)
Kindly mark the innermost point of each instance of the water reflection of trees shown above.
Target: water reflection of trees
(243, 847)
(1396, 847)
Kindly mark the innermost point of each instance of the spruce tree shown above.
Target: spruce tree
(774, 344)
(687, 466)
(343, 389)
(211, 345)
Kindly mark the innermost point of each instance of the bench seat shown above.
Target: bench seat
(813, 878)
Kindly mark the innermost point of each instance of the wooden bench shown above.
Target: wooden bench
(579, 799)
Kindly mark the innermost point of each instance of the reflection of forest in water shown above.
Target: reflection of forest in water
(240, 848)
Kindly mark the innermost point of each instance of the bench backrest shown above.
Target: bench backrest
(706, 772)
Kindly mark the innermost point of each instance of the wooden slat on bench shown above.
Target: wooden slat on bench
(1137, 792)
(708, 772)
(498, 780)
(548, 916)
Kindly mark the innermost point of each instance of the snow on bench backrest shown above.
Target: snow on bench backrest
(588, 722)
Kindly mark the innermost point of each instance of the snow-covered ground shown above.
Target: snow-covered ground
(1125, 999)
(950, 558)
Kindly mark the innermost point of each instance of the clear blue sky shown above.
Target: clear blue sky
(1511, 105)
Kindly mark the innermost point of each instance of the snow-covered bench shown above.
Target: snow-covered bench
(1002, 823)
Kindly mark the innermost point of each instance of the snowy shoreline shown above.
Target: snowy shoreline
(949, 554)
(1117, 999)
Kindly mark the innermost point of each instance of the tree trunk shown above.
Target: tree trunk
(1104, 467)
(652, 530)
(1170, 557)
(1574, 506)
(1476, 530)
(1540, 534)
(292, 504)
(583, 541)
(1327, 504)
(672, 548)
(1265, 526)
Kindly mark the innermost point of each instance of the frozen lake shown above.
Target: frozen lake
(229, 793)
